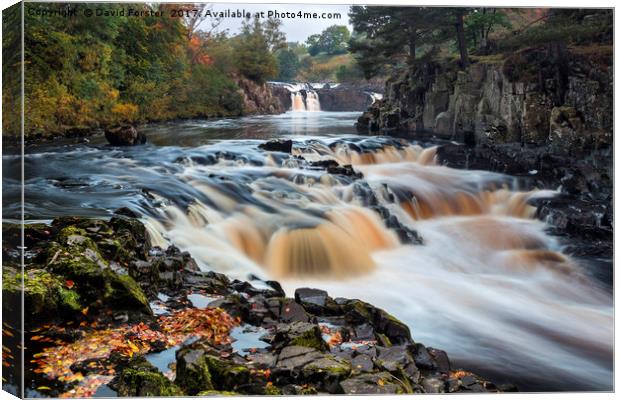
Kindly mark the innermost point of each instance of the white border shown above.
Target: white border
(487, 3)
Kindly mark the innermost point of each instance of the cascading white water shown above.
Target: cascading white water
(303, 96)
(488, 285)
(297, 101)
(312, 101)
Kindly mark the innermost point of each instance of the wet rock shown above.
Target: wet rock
(192, 371)
(362, 363)
(346, 170)
(141, 379)
(359, 312)
(327, 371)
(45, 295)
(294, 357)
(423, 358)
(316, 302)
(125, 135)
(299, 334)
(393, 358)
(233, 304)
(290, 311)
(379, 383)
(440, 358)
(283, 146)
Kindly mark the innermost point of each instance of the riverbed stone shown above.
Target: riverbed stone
(124, 135)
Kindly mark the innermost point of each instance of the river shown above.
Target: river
(488, 285)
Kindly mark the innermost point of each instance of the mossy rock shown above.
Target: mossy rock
(142, 379)
(327, 372)
(392, 330)
(76, 256)
(226, 375)
(214, 393)
(193, 373)
(45, 295)
(306, 335)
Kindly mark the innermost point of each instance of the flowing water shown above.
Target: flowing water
(488, 285)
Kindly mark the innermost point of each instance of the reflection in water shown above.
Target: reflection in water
(488, 285)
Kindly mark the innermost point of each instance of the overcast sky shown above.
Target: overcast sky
(296, 30)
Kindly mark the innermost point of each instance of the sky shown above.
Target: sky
(296, 29)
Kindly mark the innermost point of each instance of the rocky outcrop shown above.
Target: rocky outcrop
(125, 135)
(259, 98)
(344, 98)
(540, 96)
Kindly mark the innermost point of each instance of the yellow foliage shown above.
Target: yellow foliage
(125, 111)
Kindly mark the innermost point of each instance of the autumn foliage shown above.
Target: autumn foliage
(97, 344)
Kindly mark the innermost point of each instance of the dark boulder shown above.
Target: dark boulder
(124, 135)
(283, 146)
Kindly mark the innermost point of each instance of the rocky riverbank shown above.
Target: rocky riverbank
(108, 312)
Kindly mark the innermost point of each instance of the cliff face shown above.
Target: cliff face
(545, 96)
(259, 98)
(344, 98)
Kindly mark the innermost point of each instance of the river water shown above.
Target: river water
(488, 285)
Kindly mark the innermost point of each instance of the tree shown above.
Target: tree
(314, 44)
(288, 64)
(253, 56)
(333, 40)
(276, 39)
(481, 22)
(384, 35)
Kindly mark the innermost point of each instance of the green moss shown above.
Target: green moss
(226, 375)
(308, 390)
(123, 290)
(44, 293)
(311, 338)
(137, 382)
(70, 299)
(193, 375)
(272, 390)
(216, 393)
(329, 366)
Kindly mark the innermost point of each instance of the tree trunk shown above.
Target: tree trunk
(460, 38)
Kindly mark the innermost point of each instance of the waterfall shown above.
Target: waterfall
(303, 96)
(297, 102)
(312, 101)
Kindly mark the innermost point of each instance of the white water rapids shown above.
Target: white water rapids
(488, 285)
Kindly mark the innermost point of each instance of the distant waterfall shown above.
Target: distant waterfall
(303, 96)
(312, 101)
(297, 102)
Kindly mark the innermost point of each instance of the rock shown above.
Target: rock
(283, 146)
(359, 312)
(393, 358)
(327, 372)
(125, 135)
(441, 359)
(295, 357)
(192, 371)
(141, 379)
(362, 363)
(77, 257)
(423, 358)
(433, 384)
(45, 295)
(299, 334)
(313, 300)
(379, 383)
